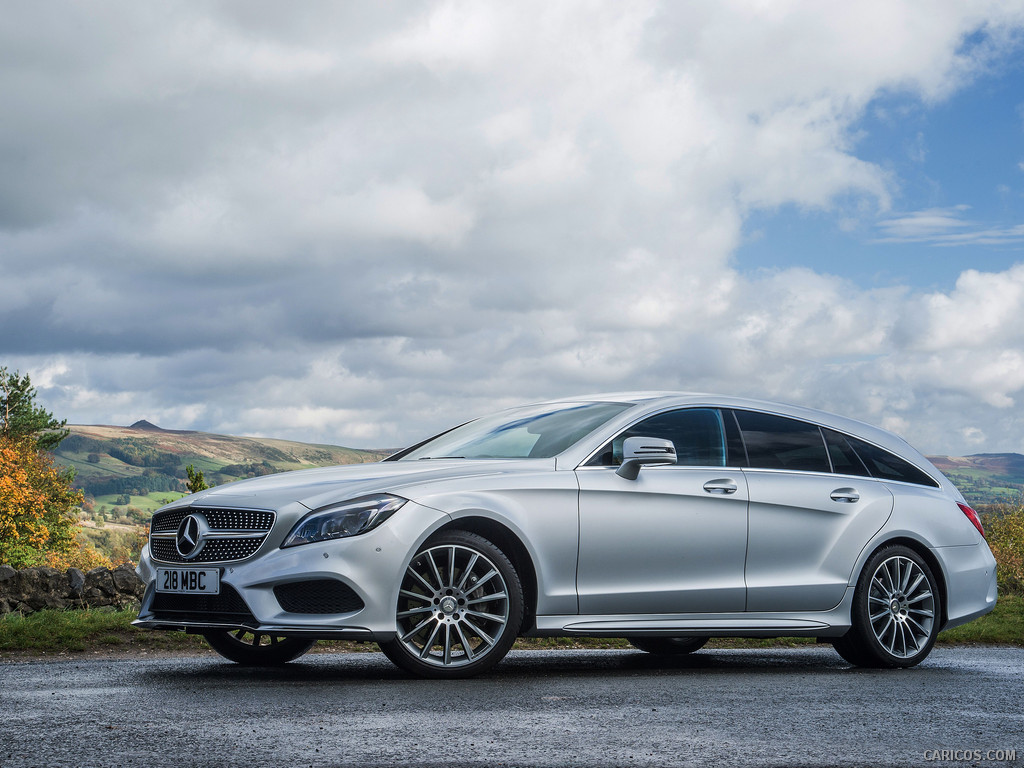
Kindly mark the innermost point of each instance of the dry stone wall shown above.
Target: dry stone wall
(33, 589)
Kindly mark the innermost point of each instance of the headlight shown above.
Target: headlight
(349, 518)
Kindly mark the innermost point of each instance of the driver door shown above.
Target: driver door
(673, 540)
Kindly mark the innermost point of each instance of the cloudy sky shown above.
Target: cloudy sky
(361, 223)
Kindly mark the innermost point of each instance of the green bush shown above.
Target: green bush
(1004, 529)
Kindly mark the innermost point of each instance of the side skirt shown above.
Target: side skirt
(831, 623)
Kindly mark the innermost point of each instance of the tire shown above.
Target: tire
(460, 607)
(256, 649)
(665, 646)
(896, 612)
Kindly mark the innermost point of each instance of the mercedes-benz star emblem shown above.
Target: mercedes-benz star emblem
(448, 605)
(191, 536)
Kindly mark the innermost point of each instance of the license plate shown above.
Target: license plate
(188, 581)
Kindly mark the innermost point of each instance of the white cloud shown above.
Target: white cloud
(382, 211)
(982, 313)
(973, 436)
(946, 227)
(357, 225)
(927, 225)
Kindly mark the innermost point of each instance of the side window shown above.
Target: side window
(886, 466)
(845, 460)
(775, 442)
(697, 434)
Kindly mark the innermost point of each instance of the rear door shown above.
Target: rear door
(808, 523)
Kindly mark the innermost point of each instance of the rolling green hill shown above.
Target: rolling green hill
(985, 478)
(140, 467)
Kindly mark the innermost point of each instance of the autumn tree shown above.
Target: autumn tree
(38, 520)
(38, 507)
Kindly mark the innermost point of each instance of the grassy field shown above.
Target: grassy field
(149, 503)
(983, 487)
(46, 633)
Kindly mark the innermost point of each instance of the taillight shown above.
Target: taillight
(972, 516)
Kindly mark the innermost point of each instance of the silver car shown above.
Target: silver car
(663, 518)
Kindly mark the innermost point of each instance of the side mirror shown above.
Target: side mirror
(645, 452)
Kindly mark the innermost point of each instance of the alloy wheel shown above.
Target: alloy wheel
(901, 606)
(453, 606)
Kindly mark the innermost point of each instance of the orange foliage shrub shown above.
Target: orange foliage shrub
(38, 520)
(85, 558)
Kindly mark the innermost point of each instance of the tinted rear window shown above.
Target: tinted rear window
(775, 442)
(845, 460)
(886, 466)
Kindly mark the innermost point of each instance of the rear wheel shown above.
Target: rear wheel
(895, 616)
(664, 646)
(460, 606)
(257, 649)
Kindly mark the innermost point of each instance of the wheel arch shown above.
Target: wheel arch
(512, 546)
(928, 556)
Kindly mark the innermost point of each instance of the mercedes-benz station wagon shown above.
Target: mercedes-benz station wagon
(661, 518)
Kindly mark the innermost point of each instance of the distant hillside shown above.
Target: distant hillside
(985, 478)
(144, 460)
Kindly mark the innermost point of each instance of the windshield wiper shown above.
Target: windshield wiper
(424, 458)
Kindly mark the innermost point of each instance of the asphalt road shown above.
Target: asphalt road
(801, 707)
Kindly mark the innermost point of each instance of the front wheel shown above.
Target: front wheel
(257, 649)
(460, 606)
(665, 646)
(895, 616)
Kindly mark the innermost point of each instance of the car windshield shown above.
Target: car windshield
(531, 432)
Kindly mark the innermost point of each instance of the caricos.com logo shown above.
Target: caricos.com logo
(970, 755)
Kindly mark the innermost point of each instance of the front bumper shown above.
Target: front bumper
(369, 565)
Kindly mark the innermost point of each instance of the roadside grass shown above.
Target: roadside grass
(47, 633)
(1004, 626)
(53, 632)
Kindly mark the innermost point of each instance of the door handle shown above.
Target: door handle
(845, 495)
(720, 487)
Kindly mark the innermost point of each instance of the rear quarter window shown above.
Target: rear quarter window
(888, 466)
(845, 460)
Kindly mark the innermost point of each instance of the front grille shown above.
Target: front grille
(226, 608)
(223, 519)
(217, 551)
(317, 596)
(214, 550)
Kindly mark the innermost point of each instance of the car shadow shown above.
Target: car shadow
(517, 666)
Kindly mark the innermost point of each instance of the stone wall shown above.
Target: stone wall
(32, 589)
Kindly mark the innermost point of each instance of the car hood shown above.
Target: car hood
(314, 488)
